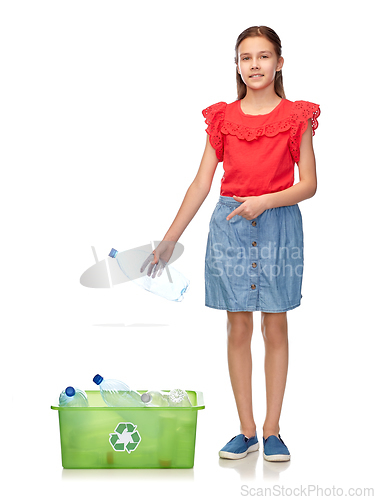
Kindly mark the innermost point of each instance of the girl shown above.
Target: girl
(254, 256)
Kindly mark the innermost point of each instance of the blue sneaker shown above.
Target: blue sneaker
(239, 446)
(275, 450)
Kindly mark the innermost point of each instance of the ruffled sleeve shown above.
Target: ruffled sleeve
(301, 112)
(214, 118)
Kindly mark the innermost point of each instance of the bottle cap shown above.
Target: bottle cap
(146, 398)
(113, 253)
(98, 379)
(70, 391)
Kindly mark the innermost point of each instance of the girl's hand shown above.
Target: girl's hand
(158, 259)
(251, 207)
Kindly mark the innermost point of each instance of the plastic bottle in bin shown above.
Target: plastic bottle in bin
(178, 398)
(73, 397)
(160, 279)
(155, 398)
(117, 393)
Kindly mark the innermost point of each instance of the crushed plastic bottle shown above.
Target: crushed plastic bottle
(155, 398)
(171, 284)
(73, 397)
(117, 393)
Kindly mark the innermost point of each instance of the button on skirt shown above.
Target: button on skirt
(257, 264)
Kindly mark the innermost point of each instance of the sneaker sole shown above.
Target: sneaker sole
(236, 456)
(276, 458)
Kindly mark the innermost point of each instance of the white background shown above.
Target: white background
(101, 135)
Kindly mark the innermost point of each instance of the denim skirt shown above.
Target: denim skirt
(257, 264)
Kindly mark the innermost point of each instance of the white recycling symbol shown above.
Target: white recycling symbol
(125, 437)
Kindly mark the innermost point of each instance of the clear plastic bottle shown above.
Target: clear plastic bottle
(117, 393)
(179, 397)
(176, 398)
(155, 398)
(171, 284)
(73, 397)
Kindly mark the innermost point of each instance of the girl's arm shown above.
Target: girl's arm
(195, 195)
(306, 187)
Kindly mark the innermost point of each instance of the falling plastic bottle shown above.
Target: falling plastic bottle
(117, 393)
(73, 397)
(155, 398)
(171, 284)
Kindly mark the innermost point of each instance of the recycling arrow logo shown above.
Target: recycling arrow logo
(125, 437)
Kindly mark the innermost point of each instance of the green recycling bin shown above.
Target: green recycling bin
(104, 437)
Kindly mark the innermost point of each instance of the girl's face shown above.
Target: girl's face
(256, 56)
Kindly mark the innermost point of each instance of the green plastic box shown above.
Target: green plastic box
(103, 437)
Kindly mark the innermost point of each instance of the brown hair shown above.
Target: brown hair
(275, 40)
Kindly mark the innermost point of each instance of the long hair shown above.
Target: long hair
(275, 40)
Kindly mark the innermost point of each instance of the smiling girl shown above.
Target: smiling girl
(254, 257)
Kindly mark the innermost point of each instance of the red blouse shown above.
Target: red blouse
(258, 151)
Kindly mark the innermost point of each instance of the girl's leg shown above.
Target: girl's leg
(240, 330)
(275, 334)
